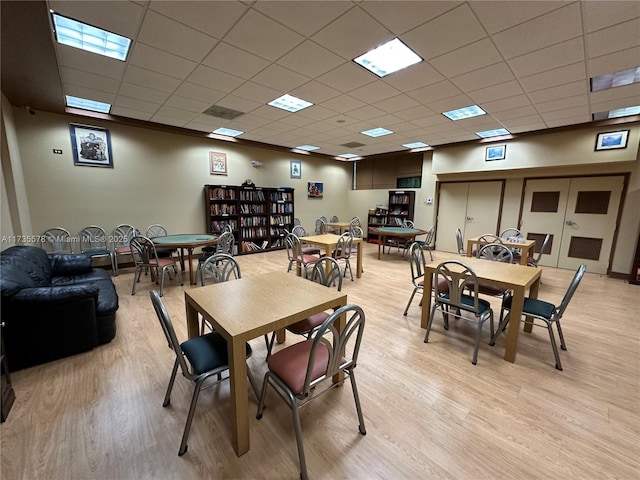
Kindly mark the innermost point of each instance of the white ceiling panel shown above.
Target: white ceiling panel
(617, 37)
(310, 59)
(235, 61)
(498, 15)
(216, 79)
(88, 62)
(468, 58)
(554, 77)
(495, 92)
(558, 55)
(71, 76)
(402, 16)
(147, 78)
(601, 14)
(159, 61)
(306, 17)
(275, 76)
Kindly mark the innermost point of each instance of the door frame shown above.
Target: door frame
(623, 196)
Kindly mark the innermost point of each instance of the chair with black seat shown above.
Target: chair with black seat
(548, 313)
(460, 243)
(343, 252)
(93, 244)
(298, 372)
(460, 278)
(211, 249)
(496, 252)
(146, 258)
(157, 230)
(325, 271)
(56, 240)
(198, 358)
(121, 236)
(534, 260)
(300, 232)
(293, 246)
(417, 263)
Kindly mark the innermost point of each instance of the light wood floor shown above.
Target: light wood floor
(429, 412)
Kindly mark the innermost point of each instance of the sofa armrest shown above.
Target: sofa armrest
(48, 295)
(69, 264)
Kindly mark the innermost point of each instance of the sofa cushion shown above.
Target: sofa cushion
(69, 264)
(31, 260)
(13, 279)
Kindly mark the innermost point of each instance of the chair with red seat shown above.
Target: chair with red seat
(145, 257)
(295, 255)
(121, 236)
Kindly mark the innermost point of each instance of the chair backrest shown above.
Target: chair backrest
(417, 262)
(93, 237)
(431, 233)
(356, 231)
(227, 228)
(407, 223)
(573, 286)
(496, 252)
(486, 239)
(296, 221)
(326, 271)
(169, 332)
(320, 225)
(335, 218)
(398, 221)
(343, 246)
(122, 235)
(510, 232)
(143, 251)
(460, 243)
(461, 281)
(355, 222)
(293, 246)
(545, 242)
(156, 230)
(56, 240)
(299, 231)
(225, 243)
(340, 349)
(221, 267)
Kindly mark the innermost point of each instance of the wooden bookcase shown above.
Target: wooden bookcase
(401, 206)
(259, 216)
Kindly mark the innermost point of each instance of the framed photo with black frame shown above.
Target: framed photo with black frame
(612, 140)
(91, 146)
(495, 152)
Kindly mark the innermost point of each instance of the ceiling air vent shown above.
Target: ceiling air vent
(222, 112)
(353, 145)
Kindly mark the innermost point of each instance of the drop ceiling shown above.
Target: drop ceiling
(526, 63)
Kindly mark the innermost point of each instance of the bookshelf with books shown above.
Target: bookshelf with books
(259, 216)
(399, 208)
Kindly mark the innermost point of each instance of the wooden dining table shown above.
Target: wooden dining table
(329, 242)
(525, 246)
(516, 277)
(187, 242)
(248, 308)
(340, 226)
(407, 234)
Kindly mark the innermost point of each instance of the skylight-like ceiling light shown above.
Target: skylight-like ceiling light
(616, 79)
(493, 133)
(465, 112)
(617, 113)
(348, 155)
(388, 58)
(308, 148)
(415, 145)
(92, 39)
(86, 104)
(229, 132)
(290, 103)
(377, 132)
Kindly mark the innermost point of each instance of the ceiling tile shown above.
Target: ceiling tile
(279, 78)
(517, 101)
(346, 77)
(168, 120)
(483, 77)
(450, 103)
(505, 115)
(130, 113)
(581, 112)
(90, 93)
(140, 76)
(468, 58)
(562, 91)
(257, 93)
(435, 92)
(602, 14)
(305, 17)
(402, 16)
(197, 92)
(156, 60)
(142, 93)
(135, 104)
(548, 58)
(553, 77)
(414, 113)
(122, 18)
(497, 16)
(71, 76)
(614, 62)
(315, 92)
(215, 79)
(563, 104)
(520, 121)
(396, 103)
(618, 37)
(413, 77)
(238, 103)
(343, 103)
(310, 59)
(373, 92)
(184, 115)
(235, 61)
(89, 62)
(185, 103)
(495, 92)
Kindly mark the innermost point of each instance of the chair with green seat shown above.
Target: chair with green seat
(548, 313)
(417, 263)
(93, 244)
(199, 359)
(460, 278)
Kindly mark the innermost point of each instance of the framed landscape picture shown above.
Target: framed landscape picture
(495, 152)
(612, 140)
(91, 146)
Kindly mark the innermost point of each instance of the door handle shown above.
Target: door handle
(469, 219)
(570, 223)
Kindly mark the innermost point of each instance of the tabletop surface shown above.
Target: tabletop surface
(252, 306)
(326, 239)
(501, 273)
(401, 230)
(184, 238)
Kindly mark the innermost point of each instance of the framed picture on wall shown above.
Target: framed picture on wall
(314, 189)
(217, 163)
(495, 152)
(295, 169)
(91, 146)
(612, 140)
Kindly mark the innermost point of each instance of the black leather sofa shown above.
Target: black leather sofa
(53, 305)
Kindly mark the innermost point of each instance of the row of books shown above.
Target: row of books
(222, 194)
(252, 208)
(281, 208)
(222, 209)
(281, 196)
(280, 219)
(252, 221)
(399, 199)
(219, 226)
(254, 232)
(252, 196)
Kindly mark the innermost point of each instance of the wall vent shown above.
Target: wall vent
(353, 145)
(222, 112)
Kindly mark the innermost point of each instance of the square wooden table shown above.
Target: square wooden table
(524, 247)
(250, 307)
(340, 226)
(518, 278)
(329, 242)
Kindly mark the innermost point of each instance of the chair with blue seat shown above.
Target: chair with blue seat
(460, 278)
(94, 244)
(199, 359)
(547, 313)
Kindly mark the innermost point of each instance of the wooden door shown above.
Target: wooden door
(580, 213)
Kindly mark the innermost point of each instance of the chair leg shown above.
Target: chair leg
(298, 429)
(192, 410)
(433, 311)
(415, 289)
(554, 347)
(136, 279)
(501, 327)
(270, 344)
(563, 346)
(167, 395)
(356, 397)
(348, 264)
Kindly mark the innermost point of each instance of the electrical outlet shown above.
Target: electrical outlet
(429, 201)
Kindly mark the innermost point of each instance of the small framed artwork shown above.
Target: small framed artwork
(295, 169)
(612, 140)
(217, 163)
(91, 146)
(495, 152)
(314, 189)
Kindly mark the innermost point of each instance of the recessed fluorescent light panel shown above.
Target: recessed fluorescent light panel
(493, 133)
(229, 132)
(415, 145)
(388, 58)
(308, 148)
(377, 132)
(92, 39)
(616, 79)
(465, 112)
(86, 104)
(290, 103)
(617, 113)
(348, 155)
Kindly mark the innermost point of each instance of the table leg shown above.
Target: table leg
(523, 256)
(239, 396)
(514, 325)
(426, 298)
(359, 261)
(192, 279)
(469, 248)
(193, 329)
(533, 293)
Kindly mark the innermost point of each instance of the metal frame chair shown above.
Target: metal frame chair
(56, 240)
(460, 243)
(198, 358)
(121, 236)
(296, 372)
(145, 258)
(293, 246)
(343, 251)
(93, 243)
(417, 263)
(300, 232)
(426, 243)
(510, 232)
(459, 278)
(546, 312)
(534, 261)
